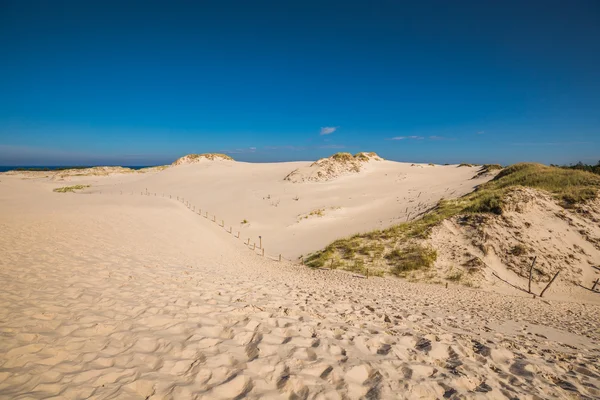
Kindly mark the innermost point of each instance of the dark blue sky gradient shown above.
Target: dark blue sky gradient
(126, 82)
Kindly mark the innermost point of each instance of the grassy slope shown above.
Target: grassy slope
(397, 250)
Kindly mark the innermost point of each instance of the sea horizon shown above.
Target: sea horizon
(6, 168)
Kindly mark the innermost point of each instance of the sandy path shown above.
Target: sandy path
(135, 297)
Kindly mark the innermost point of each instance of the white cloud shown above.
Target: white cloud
(407, 137)
(480, 132)
(328, 130)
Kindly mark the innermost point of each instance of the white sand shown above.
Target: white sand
(135, 297)
(383, 194)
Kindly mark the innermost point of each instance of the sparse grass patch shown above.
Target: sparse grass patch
(465, 165)
(411, 258)
(491, 167)
(67, 189)
(454, 275)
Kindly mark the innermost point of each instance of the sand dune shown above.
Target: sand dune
(109, 295)
(332, 167)
(383, 194)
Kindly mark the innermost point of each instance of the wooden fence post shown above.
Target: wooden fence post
(280, 258)
(531, 273)
(549, 283)
(263, 252)
(260, 240)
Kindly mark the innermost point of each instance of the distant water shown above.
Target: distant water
(55, 167)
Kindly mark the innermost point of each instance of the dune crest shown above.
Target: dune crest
(332, 167)
(197, 158)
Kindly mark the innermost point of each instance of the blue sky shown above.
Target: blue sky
(140, 83)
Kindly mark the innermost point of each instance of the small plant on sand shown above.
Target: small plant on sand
(67, 189)
(518, 250)
(454, 275)
(244, 221)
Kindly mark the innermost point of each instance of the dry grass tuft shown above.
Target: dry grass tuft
(67, 189)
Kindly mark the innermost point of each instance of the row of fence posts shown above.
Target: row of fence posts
(222, 224)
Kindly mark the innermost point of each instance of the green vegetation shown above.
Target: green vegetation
(245, 221)
(46, 169)
(486, 169)
(454, 275)
(209, 156)
(491, 167)
(155, 168)
(411, 258)
(595, 169)
(365, 156)
(569, 187)
(70, 188)
(342, 157)
(465, 165)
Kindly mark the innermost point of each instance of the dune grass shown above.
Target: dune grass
(411, 258)
(342, 157)
(386, 248)
(67, 189)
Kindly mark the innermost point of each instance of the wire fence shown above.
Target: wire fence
(248, 242)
